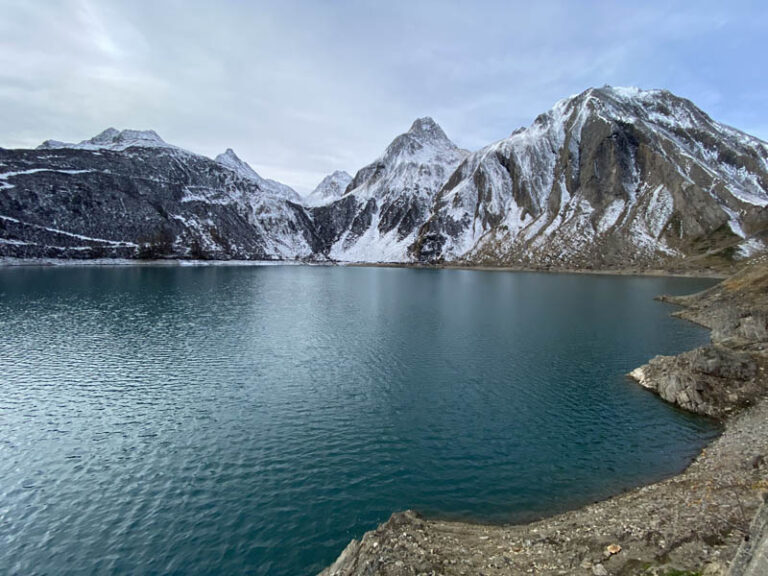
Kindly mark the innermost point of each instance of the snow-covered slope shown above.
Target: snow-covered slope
(612, 176)
(231, 161)
(112, 139)
(331, 188)
(130, 194)
(387, 202)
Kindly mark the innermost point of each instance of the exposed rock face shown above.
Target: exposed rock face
(611, 177)
(388, 201)
(711, 380)
(129, 194)
(331, 188)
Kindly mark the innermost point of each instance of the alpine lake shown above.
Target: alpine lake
(254, 419)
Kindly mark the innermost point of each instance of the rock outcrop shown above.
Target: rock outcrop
(729, 374)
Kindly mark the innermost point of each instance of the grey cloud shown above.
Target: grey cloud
(302, 88)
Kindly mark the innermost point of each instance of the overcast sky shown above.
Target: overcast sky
(302, 88)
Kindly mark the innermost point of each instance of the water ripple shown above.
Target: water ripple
(253, 420)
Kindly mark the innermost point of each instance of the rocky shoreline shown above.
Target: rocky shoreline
(693, 523)
(718, 272)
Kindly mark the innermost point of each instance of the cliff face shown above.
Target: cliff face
(611, 177)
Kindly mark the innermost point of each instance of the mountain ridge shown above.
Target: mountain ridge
(113, 139)
(610, 177)
(330, 188)
(387, 201)
(575, 176)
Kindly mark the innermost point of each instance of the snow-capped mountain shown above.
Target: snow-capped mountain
(386, 203)
(331, 188)
(231, 161)
(112, 139)
(610, 177)
(130, 194)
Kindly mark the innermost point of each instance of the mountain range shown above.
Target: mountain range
(609, 178)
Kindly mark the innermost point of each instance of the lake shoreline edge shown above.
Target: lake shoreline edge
(171, 262)
(704, 520)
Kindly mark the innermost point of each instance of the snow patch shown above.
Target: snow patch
(660, 208)
(116, 243)
(749, 248)
(610, 216)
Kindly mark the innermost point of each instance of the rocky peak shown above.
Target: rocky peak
(106, 136)
(231, 161)
(426, 128)
(53, 145)
(424, 143)
(330, 188)
(610, 175)
(122, 139)
(228, 153)
(629, 105)
(112, 139)
(339, 180)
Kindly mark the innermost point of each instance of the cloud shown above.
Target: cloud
(302, 88)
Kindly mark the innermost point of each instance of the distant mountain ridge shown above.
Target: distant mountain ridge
(230, 160)
(112, 139)
(609, 178)
(331, 188)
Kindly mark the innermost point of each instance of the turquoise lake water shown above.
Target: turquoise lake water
(199, 420)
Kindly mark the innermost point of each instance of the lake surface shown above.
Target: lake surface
(255, 419)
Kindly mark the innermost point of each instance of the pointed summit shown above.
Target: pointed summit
(106, 136)
(426, 126)
(331, 188)
(228, 159)
(425, 130)
(232, 161)
(424, 143)
(384, 206)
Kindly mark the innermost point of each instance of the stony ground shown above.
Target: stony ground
(691, 524)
